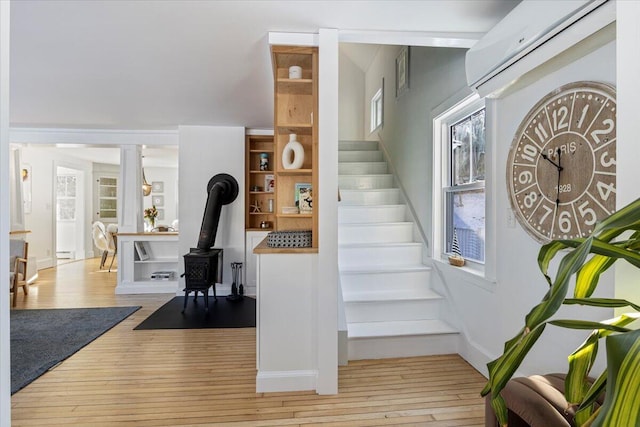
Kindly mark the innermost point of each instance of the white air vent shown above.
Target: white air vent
(526, 28)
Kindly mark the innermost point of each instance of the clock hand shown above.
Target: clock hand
(559, 171)
(547, 158)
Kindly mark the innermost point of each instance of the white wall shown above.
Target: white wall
(204, 152)
(628, 69)
(169, 179)
(487, 312)
(42, 217)
(350, 95)
(434, 75)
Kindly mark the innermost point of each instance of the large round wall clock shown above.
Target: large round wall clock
(561, 170)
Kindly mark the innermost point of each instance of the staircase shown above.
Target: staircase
(391, 310)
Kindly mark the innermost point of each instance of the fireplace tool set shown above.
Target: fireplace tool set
(237, 291)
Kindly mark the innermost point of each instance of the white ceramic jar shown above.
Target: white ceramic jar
(295, 72)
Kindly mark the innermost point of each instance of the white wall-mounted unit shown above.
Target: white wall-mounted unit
(531, 34)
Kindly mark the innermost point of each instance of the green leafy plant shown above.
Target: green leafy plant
(617, 237)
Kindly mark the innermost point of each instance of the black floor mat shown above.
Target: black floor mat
(222, 314)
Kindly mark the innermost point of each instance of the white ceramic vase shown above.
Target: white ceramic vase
(293, 154)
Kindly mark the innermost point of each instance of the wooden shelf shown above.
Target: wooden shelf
(255, 146)
(297, 128)
(295, 112)
(295, 172)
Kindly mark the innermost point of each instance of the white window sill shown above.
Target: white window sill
(467, 274)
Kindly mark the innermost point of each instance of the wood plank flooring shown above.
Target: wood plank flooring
(207, 377)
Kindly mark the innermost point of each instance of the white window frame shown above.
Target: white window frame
(377, 109)
(73, 198)
(451, 111)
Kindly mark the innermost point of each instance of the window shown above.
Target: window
(376, 109)
(463, 202)
(66, 198)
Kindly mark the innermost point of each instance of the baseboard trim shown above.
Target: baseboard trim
(275, 381)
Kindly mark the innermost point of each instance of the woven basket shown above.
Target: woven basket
(289, 239)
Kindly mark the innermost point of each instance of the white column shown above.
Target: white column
(16, 199)
(130, 215)
(5, 354)
(326, 322)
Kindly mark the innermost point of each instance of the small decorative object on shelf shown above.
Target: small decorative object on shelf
(270, 205)
(293, 153)
(163, 275)
(255, 207)
(288, 210)
(264, 162)
(456, 259)
(256, 188)
(269, 183)
(265, 224)
(304, 198)
(150, 215)
(295, 72)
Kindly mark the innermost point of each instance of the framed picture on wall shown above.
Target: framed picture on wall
(402, 71)
(157, 186)
(160, 214)
(157, 201)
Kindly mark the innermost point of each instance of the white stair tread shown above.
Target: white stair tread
(376, 224)
(385, 269)
(399, 328)
(369, 207)
(395, 295)
(377, 245)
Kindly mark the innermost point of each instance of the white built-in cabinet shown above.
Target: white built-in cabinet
(106, 198)
(134, 272)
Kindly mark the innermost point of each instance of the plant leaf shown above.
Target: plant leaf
(589, 274)
(602, 302)
(586, 324)
(622, 403)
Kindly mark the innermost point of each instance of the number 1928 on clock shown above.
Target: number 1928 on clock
(561, 170)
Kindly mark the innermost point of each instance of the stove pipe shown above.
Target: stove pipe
(222, 189)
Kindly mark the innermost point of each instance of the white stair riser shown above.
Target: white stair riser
(409, 346)
(360, 156)
(373, 197)
(364, 182)
(376, 233)
(362, 168)
(357, 145)
(371, 214)
(382, 311)
(377, 256)
(377, 282)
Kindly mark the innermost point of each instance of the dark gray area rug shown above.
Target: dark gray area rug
(222, 314)
(41, 339)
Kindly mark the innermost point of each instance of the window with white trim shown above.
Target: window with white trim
(463, 186)
(376, 110)
(66, 198)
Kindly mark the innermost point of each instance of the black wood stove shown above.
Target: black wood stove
(203, 264)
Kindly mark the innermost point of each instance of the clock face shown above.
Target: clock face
(561, 170)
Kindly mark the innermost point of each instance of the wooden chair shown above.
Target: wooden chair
(18, 251)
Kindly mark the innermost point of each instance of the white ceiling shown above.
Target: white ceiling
(160, 64)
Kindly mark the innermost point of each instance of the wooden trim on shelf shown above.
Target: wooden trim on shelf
(262, 248)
